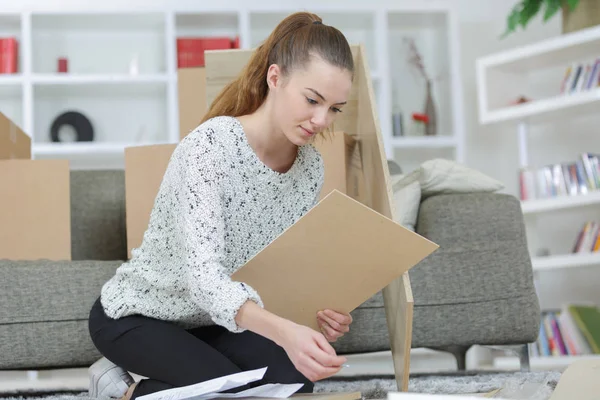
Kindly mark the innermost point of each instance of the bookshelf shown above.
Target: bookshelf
(559, 184)
(101, 43)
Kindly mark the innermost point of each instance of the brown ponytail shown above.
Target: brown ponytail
(290, 46)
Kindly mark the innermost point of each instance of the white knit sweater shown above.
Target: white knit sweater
(217, 206)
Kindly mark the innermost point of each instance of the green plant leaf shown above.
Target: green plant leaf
(572, 4)
(512, 21)
(529, 10)
(552, 6)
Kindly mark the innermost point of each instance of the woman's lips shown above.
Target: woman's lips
(309, 133)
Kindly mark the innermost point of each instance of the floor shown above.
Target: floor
(360, 364)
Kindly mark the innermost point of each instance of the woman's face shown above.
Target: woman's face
(308, 100)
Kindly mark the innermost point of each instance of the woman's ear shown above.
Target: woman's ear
(274, 76)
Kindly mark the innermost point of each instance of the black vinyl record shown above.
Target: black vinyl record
(79, 122)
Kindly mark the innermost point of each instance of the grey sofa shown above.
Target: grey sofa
(476, 289)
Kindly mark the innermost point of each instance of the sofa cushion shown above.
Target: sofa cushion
(483, 254)
(495, 322)
(40, 345)
(407, 198)
(37, 291)
(442, 176)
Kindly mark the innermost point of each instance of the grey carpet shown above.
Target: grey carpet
(514, 385)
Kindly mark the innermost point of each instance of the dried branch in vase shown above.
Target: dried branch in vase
(429, 108)
(415, 59)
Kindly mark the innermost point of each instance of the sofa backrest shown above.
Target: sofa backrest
(98, 229)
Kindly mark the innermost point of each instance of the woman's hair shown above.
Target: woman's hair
(291, 45)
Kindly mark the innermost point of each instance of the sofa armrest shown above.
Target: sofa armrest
(481, 273)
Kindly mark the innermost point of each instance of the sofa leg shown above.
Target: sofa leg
(521, 351)
(524, 358)
(459, 353)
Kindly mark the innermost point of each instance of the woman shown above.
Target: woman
(172, 313)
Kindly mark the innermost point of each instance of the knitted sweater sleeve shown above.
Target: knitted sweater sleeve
(201, 174)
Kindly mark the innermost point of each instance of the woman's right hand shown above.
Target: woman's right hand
(310, 352)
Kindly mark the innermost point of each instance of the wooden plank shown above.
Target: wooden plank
(398, 299)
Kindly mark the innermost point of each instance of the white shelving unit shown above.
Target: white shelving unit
(134, 109)
(537, 71)
(560, 202)
(566, 261)
(541, 363)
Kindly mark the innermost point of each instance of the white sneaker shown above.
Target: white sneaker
(108, 380)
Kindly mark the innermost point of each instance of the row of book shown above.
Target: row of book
(9, 55)
(190, 50)
(574, 330)
(588, 238)
(581, 76)
(579, 177)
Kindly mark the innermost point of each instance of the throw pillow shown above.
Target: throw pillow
(439, 176)
(407, 198)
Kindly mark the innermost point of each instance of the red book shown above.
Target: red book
(235, 43)
(8, 55)
(190, 50)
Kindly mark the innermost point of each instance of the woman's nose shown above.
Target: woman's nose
(320, 119)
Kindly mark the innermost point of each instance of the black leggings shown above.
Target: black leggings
(170, 356)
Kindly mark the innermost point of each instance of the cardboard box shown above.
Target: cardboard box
(14, 143)
(191, 87)
(145, 167)
(35, 208)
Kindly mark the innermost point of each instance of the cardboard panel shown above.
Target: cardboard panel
(145, 167)
(35, 210)
(336, 256)
(191, 88)
(14, 143)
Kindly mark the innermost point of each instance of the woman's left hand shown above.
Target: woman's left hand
(333, 324)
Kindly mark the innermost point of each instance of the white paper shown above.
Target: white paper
(211, 389)
(211, 386)
(273, 390)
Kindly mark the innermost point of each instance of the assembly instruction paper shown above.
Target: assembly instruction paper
(211, 389)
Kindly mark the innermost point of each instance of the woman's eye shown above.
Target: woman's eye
(311, 101)
(337, 110)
